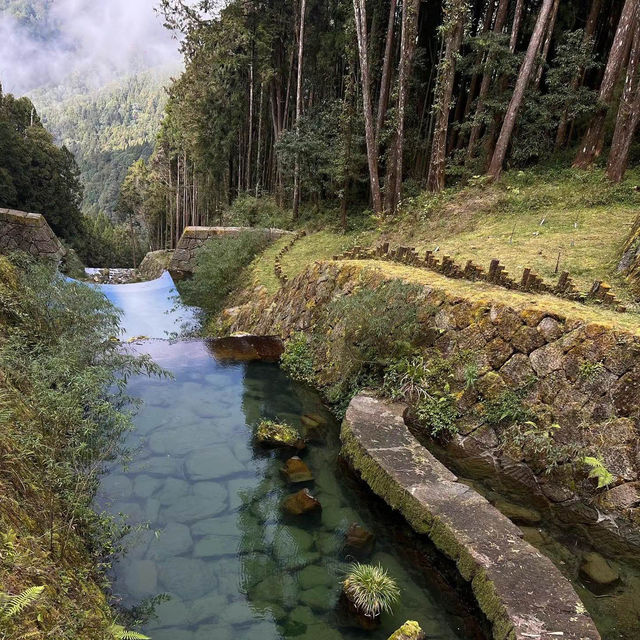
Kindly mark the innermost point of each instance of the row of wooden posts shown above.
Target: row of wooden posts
(496, 274)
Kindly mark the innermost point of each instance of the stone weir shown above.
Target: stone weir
(29, 232)
(183, 260)
(521, 592)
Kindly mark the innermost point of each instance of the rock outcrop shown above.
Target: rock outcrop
(29, 232)
(520, 590)
(569, 370)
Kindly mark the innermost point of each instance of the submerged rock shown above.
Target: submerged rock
(410, 630)
(518, 514)
(598, 574)
(358, 541)
(314, 427)
(295, 470)
(274, 434)
(300, 503)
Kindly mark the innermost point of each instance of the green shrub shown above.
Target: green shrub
(249, 211)
(507, 409)
(218, 270)
(598, 471)
(297, 360)
(377, 325)
(370, 589)
(538, 446)
(590, 370)
(438, 414)
(424, 384)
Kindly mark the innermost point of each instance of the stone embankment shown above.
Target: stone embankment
(567, 370)
(29, 232)
(183, 260)
(521, 592)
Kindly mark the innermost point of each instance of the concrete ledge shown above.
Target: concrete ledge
(521, 592)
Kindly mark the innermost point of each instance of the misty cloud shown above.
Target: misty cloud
(95, 39)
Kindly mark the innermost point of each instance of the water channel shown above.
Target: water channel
(216, 539)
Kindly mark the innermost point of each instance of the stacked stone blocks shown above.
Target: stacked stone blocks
(28, 232)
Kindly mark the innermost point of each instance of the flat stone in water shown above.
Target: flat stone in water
(173, 540)
(158, 466)
(145, 486)
(141, 578)
(172, 490)
(206, 607)
(173, 611)
(319, 598)
(236, 613)
(256, 567)
(212, 546)
(190, 578)
(116, 486)
(222, 525)
(315, 575)
(193, 508)
(215, 632)
(212, 463)
(179, 440)
(239, 489)
(172, 633)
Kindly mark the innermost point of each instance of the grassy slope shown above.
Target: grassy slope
(525, 220)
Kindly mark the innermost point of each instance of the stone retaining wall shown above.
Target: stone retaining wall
(581, 375)
(29, 232)
(521, 592)
(630, 261)
(183, 260)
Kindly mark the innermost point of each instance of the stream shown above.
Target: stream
(212, 533)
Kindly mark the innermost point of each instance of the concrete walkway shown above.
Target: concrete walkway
(521, 591)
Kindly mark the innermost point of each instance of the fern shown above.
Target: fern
(598, 471)
(13, 605)
(120, 633)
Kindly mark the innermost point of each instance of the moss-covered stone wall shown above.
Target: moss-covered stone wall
(581, 375)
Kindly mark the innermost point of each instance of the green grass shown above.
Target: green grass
(527, 219)
(571, 219)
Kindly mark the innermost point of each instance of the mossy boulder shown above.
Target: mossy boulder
(410, 630)
(278, 434)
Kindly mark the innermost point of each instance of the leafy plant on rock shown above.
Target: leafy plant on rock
(370, 589)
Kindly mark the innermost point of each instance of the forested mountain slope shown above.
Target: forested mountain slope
(107, 129)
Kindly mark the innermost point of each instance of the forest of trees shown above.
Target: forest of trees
(107, 129)
(38, 176)
(357, 103)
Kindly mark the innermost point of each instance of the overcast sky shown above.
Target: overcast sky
(97, 38)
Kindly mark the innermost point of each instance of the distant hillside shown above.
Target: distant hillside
(107, 129)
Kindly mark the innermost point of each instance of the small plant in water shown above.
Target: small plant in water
(370, 589)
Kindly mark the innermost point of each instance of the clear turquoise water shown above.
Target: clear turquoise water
(217, 541)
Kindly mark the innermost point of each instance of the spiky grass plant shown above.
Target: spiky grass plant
(370, 589)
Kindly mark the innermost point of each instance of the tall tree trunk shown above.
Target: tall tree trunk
(526, 69)
(547, 42)
(453, 26)
(259, 151)
(628, 114)
(515, 28)
(593, 140)
(589, 30)
(250, 143)
(385, 83)
(360, 14)
(296, 174)
(410, 11)
(501, 18)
